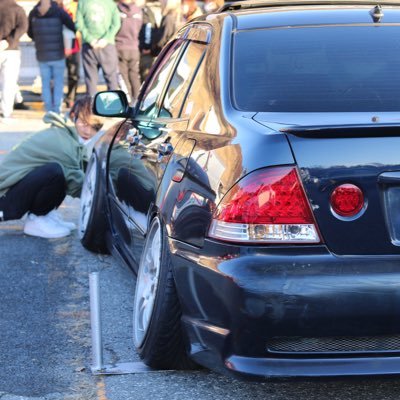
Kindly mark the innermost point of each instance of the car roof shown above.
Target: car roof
(252, 4)
(289, 13)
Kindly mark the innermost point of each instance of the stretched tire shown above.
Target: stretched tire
(157, 330)
(92, 220)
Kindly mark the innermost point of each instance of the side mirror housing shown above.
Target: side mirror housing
(111, 103)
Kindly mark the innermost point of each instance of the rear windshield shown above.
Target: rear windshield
(317, 69)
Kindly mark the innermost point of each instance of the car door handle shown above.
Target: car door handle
(165, 149)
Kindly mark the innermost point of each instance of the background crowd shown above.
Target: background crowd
(120, 38)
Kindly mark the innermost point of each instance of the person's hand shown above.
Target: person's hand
(94, 44)
(146, 51)
(3, 45)
(102, 43)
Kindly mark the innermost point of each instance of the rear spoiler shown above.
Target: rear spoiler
(344, 131)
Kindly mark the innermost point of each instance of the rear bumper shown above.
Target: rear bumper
(253, 368)
(238, 301)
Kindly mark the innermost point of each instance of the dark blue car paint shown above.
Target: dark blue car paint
(256, 294)
(235, 298)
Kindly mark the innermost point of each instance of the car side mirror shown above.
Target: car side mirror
(111, 103)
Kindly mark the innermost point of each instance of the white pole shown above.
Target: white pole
(97, 347)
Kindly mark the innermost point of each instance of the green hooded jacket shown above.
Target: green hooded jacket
(58, 143)
(98, 19)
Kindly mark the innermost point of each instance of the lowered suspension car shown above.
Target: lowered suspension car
(254, 189)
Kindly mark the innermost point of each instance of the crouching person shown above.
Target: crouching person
(40, 171)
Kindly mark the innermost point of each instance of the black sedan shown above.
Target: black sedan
(255, 190)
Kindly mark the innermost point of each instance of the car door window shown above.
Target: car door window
(181, 80)
(148, 105)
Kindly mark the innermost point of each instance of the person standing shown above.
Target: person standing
(13, 24)
(72, 53)
(98, 22)
(46, 22)
(146, 38)
(169, 23)
(127, 42)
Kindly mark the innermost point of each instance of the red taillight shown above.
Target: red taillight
(268, 205)
(347, 200)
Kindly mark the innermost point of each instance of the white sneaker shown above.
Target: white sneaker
(56, 216)
(45, 227)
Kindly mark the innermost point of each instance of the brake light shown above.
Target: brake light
(268, 205)
(347, 200)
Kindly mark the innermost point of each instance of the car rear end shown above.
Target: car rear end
(302, 261)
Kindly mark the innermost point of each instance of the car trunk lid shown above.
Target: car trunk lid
(331, 150)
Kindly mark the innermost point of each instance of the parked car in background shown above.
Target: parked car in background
(255, 191)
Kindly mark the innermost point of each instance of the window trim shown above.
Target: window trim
(191, 80)
(150, 79)
(197, 32)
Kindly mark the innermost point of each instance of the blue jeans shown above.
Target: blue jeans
(52, 74)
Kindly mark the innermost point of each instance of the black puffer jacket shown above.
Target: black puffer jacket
(13, 23)
(47, 32)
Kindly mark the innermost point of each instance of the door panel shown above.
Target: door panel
(118, 183)
(159, 131)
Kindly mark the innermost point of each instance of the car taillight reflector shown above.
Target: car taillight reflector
(347, 200)
(267, 205)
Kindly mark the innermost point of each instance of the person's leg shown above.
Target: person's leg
(2, 61)
(146, 61)
(134, 74)
(90, 68)
(45, 74)
(39, 192)
(73, 66)
(19, 101)
(58, 82)
(69, 65)
(50, 195)
(109, 64)
(10, 75)
(18, 96)
(123, 70)
(51, 65)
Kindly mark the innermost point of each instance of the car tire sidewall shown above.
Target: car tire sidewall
(93, 235)
(157, 310)
(166, 309)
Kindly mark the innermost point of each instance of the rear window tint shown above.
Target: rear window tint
(318, 69)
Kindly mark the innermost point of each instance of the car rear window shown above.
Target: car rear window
(317, 69)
